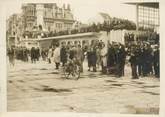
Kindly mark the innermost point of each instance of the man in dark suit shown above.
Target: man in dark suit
(133, 61)
(33, 55)
(140, 59)
(63, 54)
(37, 51)
(111, 58)
(156, 62)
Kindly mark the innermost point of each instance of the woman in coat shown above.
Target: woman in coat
(103, 54)
(56, 56)
(50, 53)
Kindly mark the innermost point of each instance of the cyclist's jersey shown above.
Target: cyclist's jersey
(72, 53)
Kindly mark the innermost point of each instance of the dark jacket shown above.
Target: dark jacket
(63, 54)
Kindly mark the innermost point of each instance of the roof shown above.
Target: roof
(105, 16)
(65, 36)
(145, 4)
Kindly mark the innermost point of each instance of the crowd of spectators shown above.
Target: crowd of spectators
(111, 58)
(105, 26)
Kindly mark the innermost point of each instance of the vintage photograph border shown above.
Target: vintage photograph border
(3, 68)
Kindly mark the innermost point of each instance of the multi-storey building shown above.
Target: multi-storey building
(14, 29)
(147, 18)
(49, 16)
(147, 14)
(35, 16)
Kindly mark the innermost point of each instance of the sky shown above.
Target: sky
(82, 10)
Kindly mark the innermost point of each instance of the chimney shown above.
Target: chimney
(63, 11)
(68, 6)
(63, 6)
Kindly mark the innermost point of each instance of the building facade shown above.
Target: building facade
(147, 14)
(35, 17)
(48, 16)
(14, 29)
(147, 19)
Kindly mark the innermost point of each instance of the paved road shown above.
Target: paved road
(39, 87)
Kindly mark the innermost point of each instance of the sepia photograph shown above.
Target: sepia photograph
(97, 56)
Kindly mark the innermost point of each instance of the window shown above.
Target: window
(148, 17)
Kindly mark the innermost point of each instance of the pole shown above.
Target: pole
(137, 21)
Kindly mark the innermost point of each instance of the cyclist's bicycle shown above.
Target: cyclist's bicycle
(72, 69)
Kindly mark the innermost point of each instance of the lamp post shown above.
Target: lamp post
(137, 21)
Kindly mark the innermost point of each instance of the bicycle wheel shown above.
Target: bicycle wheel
(66, 71)
(76, 72)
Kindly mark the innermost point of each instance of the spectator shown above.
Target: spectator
(56, 56)
(133, 61)
(33, 55)
(63, 54)
(103, 54)
(11, 54)
(50, 54)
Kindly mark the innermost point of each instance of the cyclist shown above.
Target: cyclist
(79, 57)
(76, 55)
(74, 64)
